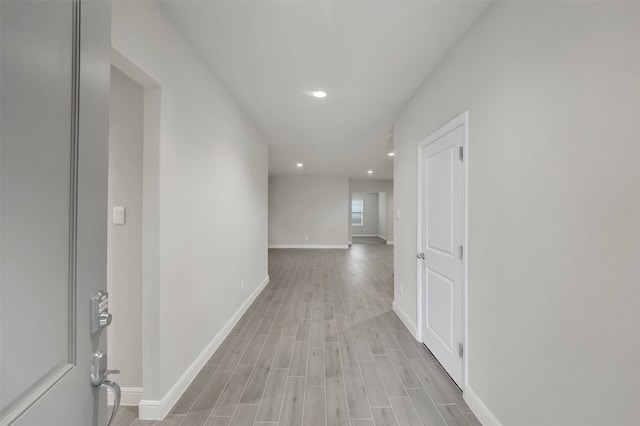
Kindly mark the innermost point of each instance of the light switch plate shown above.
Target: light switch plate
(119, 215)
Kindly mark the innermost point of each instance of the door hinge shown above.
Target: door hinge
(461, 153)
(461, 252)
(460, 350)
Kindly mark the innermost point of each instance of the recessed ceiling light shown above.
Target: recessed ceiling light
(299, 165)
(391, 154)
(319, 94)
(370, 172)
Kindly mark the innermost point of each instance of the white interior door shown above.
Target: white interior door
(53, 168)
(441, 239)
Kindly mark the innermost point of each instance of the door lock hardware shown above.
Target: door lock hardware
(100, 316)
(99, 374)
(420, 256)
(104, 320)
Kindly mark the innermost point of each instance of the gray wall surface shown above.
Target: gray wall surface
(124, 242)
(311, 206)
(370, 216)
(372, 185)
(553, 94)
(211, 180)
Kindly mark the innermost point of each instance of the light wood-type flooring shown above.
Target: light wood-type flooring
(320, 346)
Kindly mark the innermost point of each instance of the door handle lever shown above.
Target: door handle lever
(420, 256)
(109, 372)
(99, 374)
(115, 388)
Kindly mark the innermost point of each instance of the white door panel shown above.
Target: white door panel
(35, 199)
(439, 191)
(439, 298)
(53, 208)
(441, 236)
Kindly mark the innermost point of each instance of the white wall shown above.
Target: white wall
(311, 206)
(553, 94)
(373, 185)
(211, 201)
(382, 215)
(370, 217)
(124, 242)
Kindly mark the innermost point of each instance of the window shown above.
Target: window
(357, 211)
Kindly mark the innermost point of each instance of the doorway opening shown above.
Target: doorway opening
(132, 249)
(124, 231)
(369, 218)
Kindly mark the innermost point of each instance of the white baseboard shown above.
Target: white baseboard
(481, 411)
(129, 397)
(158, 409)
(406, 320)
(389, 243)
(371, 235)
(308, 246)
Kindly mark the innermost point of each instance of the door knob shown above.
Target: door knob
(420, 256)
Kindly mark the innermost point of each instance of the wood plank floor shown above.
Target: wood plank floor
(320, 346)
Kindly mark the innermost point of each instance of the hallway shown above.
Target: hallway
(320, 346)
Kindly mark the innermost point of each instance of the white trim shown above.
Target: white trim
(308, 246)
(389, 243)
(465, 259)
(132, 71)
(368, 235)
(406, 319)
(129, 397)
(157, 409)
(481, 411)
(461, 120)
(151, 409)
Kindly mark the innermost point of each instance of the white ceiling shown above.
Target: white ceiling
(369, 56)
